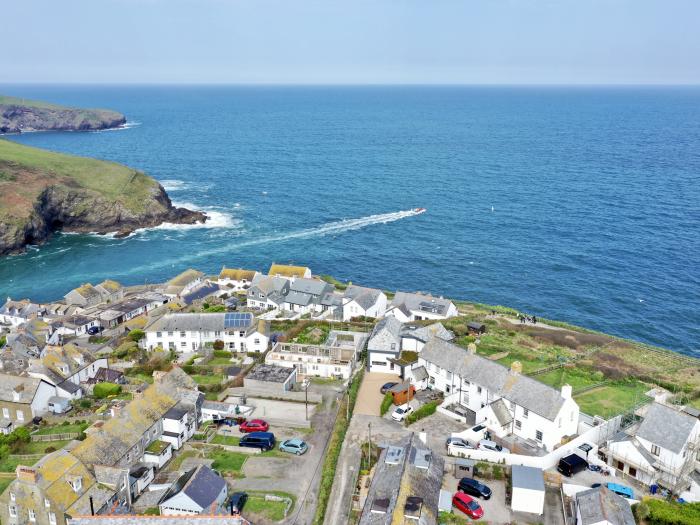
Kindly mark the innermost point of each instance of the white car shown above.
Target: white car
(400, 412)
(492, 445)
(458, 443)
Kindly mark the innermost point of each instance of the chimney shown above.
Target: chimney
(92, 507)
(423, 437)
(566, 391)
(471, 349)
(516, 368)
(27, 474)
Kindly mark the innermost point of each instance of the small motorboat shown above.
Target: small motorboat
(419, 210)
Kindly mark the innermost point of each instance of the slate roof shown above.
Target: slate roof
(522, 390)
(364, 297)
(311, 286)
(420, 373)
(419, 302)
(177, 412)
(298, 298)
(23, 309)
(270, 373)
(25, 386)
(426, 333)
(600, 505)
(192, 322)
(501, 412)
(268, 284)
(527, 477)
(385, 333)
(666, 427)
(200, 484)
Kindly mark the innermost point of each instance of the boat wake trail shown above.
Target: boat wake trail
(330, 228)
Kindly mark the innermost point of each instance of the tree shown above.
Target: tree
(136, 335)
(218, 344)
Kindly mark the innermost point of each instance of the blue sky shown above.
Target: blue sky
(351, 42)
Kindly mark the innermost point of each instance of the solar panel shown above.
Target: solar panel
(237, 319)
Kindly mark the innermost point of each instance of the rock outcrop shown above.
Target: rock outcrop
(18, 115)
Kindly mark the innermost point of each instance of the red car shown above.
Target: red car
(467, 505)
(254, 425)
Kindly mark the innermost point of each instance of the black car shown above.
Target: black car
(386, 387)
(237, 502)
(93, 330)
(474, 488)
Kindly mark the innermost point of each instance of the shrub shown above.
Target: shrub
(85, 403)
(218, 344)
(3, 341)
(48, 450)
(103, 390)
(671, 513)
(136, 335)
(387, 402)
(424, 411)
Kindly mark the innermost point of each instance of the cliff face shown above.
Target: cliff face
(18, 115)
(42, 192)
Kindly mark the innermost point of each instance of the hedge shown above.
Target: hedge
(386, 403)
(103, 390)
(669, 513)
(426, 410)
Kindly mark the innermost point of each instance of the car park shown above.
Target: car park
(254, 425)
(262, 440)
(386, 387)
(401, 412)
(493, 446)
(474, 488)
(294, 446)
(467, 505)
(458, 443)
(237, 502)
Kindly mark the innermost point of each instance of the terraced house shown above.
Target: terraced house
(101, 473)
(236, 279)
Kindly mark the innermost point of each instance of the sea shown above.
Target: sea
(580, 204)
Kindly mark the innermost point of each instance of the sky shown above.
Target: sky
(351, 41)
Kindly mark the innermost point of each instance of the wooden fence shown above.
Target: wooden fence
(54, 437)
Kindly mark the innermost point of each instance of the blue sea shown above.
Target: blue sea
(577, 204)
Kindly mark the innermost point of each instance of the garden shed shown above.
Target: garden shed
(528, 489)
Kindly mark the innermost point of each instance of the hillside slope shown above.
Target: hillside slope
(42, 192)
(18, 115)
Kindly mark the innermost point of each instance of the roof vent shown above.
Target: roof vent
(423, 457)
(380, 505)
(394, 455)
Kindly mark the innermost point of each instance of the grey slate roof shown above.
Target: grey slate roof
(426, 333)
(365, 297)
(298, 298)
(501, 411)
(204, 486)
(527, 478)
(177, 412)
(385, 333)
(420, 302)
(310, 286)
(666, 427)
(25, 386)
(522, 390)
(599, 504)
(420, 373)
(268, 284)
(191, 322)
(270, 373)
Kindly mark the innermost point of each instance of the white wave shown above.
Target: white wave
(174, 184)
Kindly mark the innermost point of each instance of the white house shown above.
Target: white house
(308, 295)
(199, 491)
(384, 345)
(483, 391)
(527, 489)
(179, 425)
(663, 450)
(289, 272)
(599, 506)
(236, 279)
(21, 399)
(267, 292)
(336, 357)
(190, 332)
(361, 301)
(85, 296)
(408, 307)
(158, 453)
(183, 283)
(16, 313)
(70, 326)
(414, 338)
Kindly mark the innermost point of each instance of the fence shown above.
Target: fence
(27, 457)
(54, 437)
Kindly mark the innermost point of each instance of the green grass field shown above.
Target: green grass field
(4, 483)
(220, 361)
(270, 510)
(62, 429)
(226, 440)
(207, 380)
(227, 462)
(612, 399)
(577, 378)
(39, 447)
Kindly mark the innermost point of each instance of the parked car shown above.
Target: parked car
(467, 505)
(401, 412)
(254, 425)
(621, 490)
(458, 442)
(93, 330)
(261, 440)
(474, 488)
(294, 446)
(572, 464)
(237, 502)
(386, 387)
(492, 445)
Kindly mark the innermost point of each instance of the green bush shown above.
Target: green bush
(671, 513)
(222, 353)
(85, 404)
(387, 402)
(424, 411)
(3, 341)
(103, 390)
(136, 335)
(218, 344)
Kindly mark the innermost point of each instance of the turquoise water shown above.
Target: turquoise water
(569, 203)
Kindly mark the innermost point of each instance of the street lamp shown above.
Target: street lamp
(306, 384)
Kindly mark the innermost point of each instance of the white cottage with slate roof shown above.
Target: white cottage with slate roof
(190, 332)
(199, 491)
(384, 345)
(361, 301)
(484, 391)
(308, 295)
(267, 292)
(664, 449)
(407, 307)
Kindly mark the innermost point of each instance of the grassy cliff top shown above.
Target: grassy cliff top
(6, 100)
(25, 172)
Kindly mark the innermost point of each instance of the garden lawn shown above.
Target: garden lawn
(612, 399)
(225, 440)
(227, 462)
(62, 429)
(577, 378)
(271, 510)
(207, 380)
(220, 361)
(4, 483)
(10, 464)
(39, 447)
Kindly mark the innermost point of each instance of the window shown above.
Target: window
(217, 333)
(393, 346)
(6, 413)
(620, 465)
(655, 450)
(447, 389)
(32, 515)
(47, 503)
(159, 334)
(183, 334)
(257, 341)
(170, 334)
(13, 511)
(12, 496)
(632, 472)
(478, 390)
(52, 518)
(241, 333)
(183, 344)
(526, 412)
(378, 363)
(538, 435)
(20, 415)
(518, 424)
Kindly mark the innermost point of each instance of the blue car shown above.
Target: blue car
(621, 490)
(294, 446)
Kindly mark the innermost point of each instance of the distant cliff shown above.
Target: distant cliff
(42, 192)
(18, 115)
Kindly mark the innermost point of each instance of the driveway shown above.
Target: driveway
(369, 398)
(495, 508)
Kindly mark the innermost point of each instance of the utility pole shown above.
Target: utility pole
(369, 445)
(306, 397)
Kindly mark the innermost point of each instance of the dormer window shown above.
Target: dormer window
(12, 496)
(47, 503)
(76, 483)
